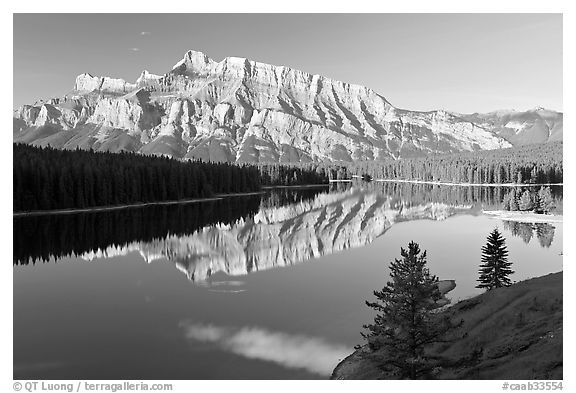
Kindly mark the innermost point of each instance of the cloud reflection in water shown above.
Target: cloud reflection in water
(313, 354)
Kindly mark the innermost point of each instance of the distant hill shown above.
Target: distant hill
(538, 125)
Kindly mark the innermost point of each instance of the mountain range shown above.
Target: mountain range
(239, 110)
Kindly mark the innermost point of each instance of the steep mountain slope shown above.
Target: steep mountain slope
(239, 110)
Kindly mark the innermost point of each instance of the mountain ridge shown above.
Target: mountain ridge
(240, 110)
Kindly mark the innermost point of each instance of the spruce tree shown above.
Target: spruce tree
(406, 324)
(495, 268)
(513, 203)
(526, 201)
(507, 201)
(545, 201)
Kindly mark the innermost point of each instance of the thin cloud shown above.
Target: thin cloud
(135, 49)
(313, 354)
(145, 33)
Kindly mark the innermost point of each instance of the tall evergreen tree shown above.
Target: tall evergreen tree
(526, 201)
(507, 201)
(545, 201)
(510, 201)
(406, 323)
(495, 268)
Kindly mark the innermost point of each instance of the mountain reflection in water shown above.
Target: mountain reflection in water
(240, 235)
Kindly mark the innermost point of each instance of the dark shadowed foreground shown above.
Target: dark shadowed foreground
(508, 333)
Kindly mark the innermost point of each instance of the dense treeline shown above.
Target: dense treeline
(296, 174)
(526, 164)
(46, 178)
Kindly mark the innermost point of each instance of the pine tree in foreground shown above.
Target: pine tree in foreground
(406, 323)
(495, 268)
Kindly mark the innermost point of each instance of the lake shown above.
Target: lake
(267, 286)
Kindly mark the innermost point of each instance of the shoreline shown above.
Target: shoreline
(297, 186)
(131, 205)
(440, 183)
(172, 202)
(264, 188)
(528, 217)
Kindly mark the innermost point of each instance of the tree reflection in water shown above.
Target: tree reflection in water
(52, 237)
(525, 230)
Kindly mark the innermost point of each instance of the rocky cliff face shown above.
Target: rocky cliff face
(239, 110)
(284, 236)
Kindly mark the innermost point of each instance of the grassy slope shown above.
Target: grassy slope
(518, 329)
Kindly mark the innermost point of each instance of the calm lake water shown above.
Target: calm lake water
(267, 286)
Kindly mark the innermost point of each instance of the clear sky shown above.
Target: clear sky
(460, 62)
